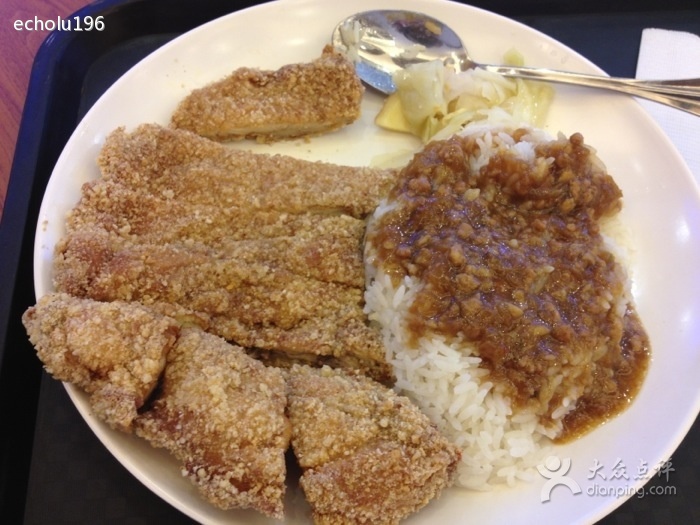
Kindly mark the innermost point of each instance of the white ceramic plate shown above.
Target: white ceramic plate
(662, 213)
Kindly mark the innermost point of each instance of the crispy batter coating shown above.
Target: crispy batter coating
(183, 168)
(367, 454)
(297, 100)
(255, 303)
(216, 409)
(323, 256)
(114, 351)
(278, 268)
(132, 212)
(221, 413)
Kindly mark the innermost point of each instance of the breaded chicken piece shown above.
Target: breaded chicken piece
(265, 251)
(221, 413)
(297, 100)
(368, 456)
(181, 167)
(150, 217)
(113, 351)
(308, 256)
(253, 302)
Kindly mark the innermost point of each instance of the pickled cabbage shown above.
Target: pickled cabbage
(433, 101)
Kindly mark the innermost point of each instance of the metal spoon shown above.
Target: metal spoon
(383, 42)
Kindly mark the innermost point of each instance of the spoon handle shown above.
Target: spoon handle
(682, 94)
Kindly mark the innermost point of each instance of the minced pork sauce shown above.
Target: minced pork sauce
(512, 261)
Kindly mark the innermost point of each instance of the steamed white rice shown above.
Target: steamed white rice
(448, 384)
(446, 380)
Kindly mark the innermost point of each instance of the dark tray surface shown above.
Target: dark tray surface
(51, 461)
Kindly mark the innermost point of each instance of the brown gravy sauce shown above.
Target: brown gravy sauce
(512, 261)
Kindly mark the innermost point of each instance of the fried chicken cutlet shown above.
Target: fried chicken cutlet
(368, 456)
(217, 410)
(259, 304)
(288, 278)
(134, 213)
(113, 351)
(181, 167)
(297, 100)
(221, 413)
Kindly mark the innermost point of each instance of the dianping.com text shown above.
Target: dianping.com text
(76, 23)
(618, 492)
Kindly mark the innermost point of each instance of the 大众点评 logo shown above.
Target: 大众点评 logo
(622, 484)
(555, 470)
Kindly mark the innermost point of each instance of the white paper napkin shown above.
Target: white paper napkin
(666, 55)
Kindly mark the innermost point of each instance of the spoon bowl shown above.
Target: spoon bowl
(383, 42)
